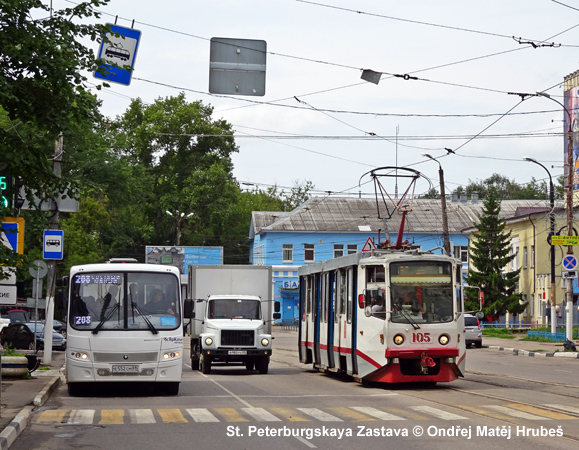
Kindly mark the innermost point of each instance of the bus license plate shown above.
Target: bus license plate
(237, 352)
(133, 368)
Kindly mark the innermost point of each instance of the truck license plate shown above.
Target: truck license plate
(237, 352)
(133, 368)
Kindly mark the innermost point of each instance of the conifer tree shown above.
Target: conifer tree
(490, 257)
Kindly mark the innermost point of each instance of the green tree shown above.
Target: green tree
(489, 256)
(508, 189)
(42, 88)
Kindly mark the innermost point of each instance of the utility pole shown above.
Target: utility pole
(445, 235)
(51, 277)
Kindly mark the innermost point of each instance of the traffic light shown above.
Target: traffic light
(5, 189)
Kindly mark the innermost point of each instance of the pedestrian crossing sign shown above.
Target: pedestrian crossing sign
(12, 233)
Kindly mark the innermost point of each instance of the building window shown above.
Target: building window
(288, 252)
(461, 252)
(309, 255)
(338, 250)
(532, 256)
(524, 257)
(352, 248)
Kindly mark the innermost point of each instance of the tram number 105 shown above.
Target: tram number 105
(420, 337)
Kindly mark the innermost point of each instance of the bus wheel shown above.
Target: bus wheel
(172, 388)
(262, 365)
(74, 389)
(206, 365)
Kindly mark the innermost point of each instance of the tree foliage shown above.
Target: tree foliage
(489, 258)
(507, 189)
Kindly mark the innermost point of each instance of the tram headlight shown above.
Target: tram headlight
(208, 341)
(399, 339)
(444, 339)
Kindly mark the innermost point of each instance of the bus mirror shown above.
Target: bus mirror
(189, 308)
(60, 299)
(277, 307)
(368, 311)
(62, 282)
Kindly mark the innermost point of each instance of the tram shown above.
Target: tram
(387, 316)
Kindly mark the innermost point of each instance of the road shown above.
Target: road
(504, 400)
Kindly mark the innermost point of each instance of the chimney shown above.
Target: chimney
(474, 197)
(463, 198)
(454, 198)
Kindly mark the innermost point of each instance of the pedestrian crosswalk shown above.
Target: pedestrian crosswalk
(285, 414)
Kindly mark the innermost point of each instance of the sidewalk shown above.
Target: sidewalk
(20, 396)
(530, 348)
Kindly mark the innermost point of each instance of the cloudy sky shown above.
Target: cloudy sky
(447, 68)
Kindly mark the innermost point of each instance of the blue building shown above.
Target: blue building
(327, 227)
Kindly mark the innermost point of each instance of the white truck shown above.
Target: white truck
(231, 309)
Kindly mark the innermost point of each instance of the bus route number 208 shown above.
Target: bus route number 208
(82, 320)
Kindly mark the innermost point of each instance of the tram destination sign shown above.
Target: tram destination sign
(564, 240)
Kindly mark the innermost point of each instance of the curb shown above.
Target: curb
(17, 426)
(517, 352)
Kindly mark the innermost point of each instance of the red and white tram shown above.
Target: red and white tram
(391, 316)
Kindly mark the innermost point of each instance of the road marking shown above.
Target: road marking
(261, 415)
(485, 412)
(290, 414)
(82, 417)
(571, 409)
(172, 416)
(440, 414)
(142, 416)
(377, 413)
(515, 413)
(112, 417)
(52, 415)
(231, 415)
(319, 415)
(202, 415)
(351, 413)
(542, 412)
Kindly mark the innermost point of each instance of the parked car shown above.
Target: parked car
(21, 335)
(472, 331)
(59, 327)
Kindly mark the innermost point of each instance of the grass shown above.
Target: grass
(499, 333)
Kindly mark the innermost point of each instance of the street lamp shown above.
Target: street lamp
(443, 206)
(551, 234)
(179, 216)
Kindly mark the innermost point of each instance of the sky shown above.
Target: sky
(449, 69)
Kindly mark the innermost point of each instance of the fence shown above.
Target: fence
(289, 324)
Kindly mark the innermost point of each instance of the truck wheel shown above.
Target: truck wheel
(206, 365)
(249, 365)
(194, 364)
(262, 365)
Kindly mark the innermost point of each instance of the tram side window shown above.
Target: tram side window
(343, 291)
(375, 274)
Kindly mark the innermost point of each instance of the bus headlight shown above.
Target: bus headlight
(399, 339)
(208, 341)
(444, 339)
(80, 355)
(265, 342)
(171, 355)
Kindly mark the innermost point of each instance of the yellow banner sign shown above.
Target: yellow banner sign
(564, 240)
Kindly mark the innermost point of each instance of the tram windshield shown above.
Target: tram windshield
(421, 292)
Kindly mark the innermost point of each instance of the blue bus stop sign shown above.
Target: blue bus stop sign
(121, 50)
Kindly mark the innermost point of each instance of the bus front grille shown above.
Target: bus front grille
(237, 337)
(129, 357)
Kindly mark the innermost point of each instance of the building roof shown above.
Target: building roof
(348, 215)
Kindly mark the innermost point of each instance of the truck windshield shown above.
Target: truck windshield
(103, 301)
(234, 309)
(421, 292)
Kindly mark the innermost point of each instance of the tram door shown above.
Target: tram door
(306, 325)
(342, 330)
(325, 290)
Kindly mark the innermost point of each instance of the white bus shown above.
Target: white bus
(125, 324)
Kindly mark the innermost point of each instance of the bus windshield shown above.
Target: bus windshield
(124, 301)
(421, 292)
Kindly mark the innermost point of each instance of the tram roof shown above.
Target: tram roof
(355, 215)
